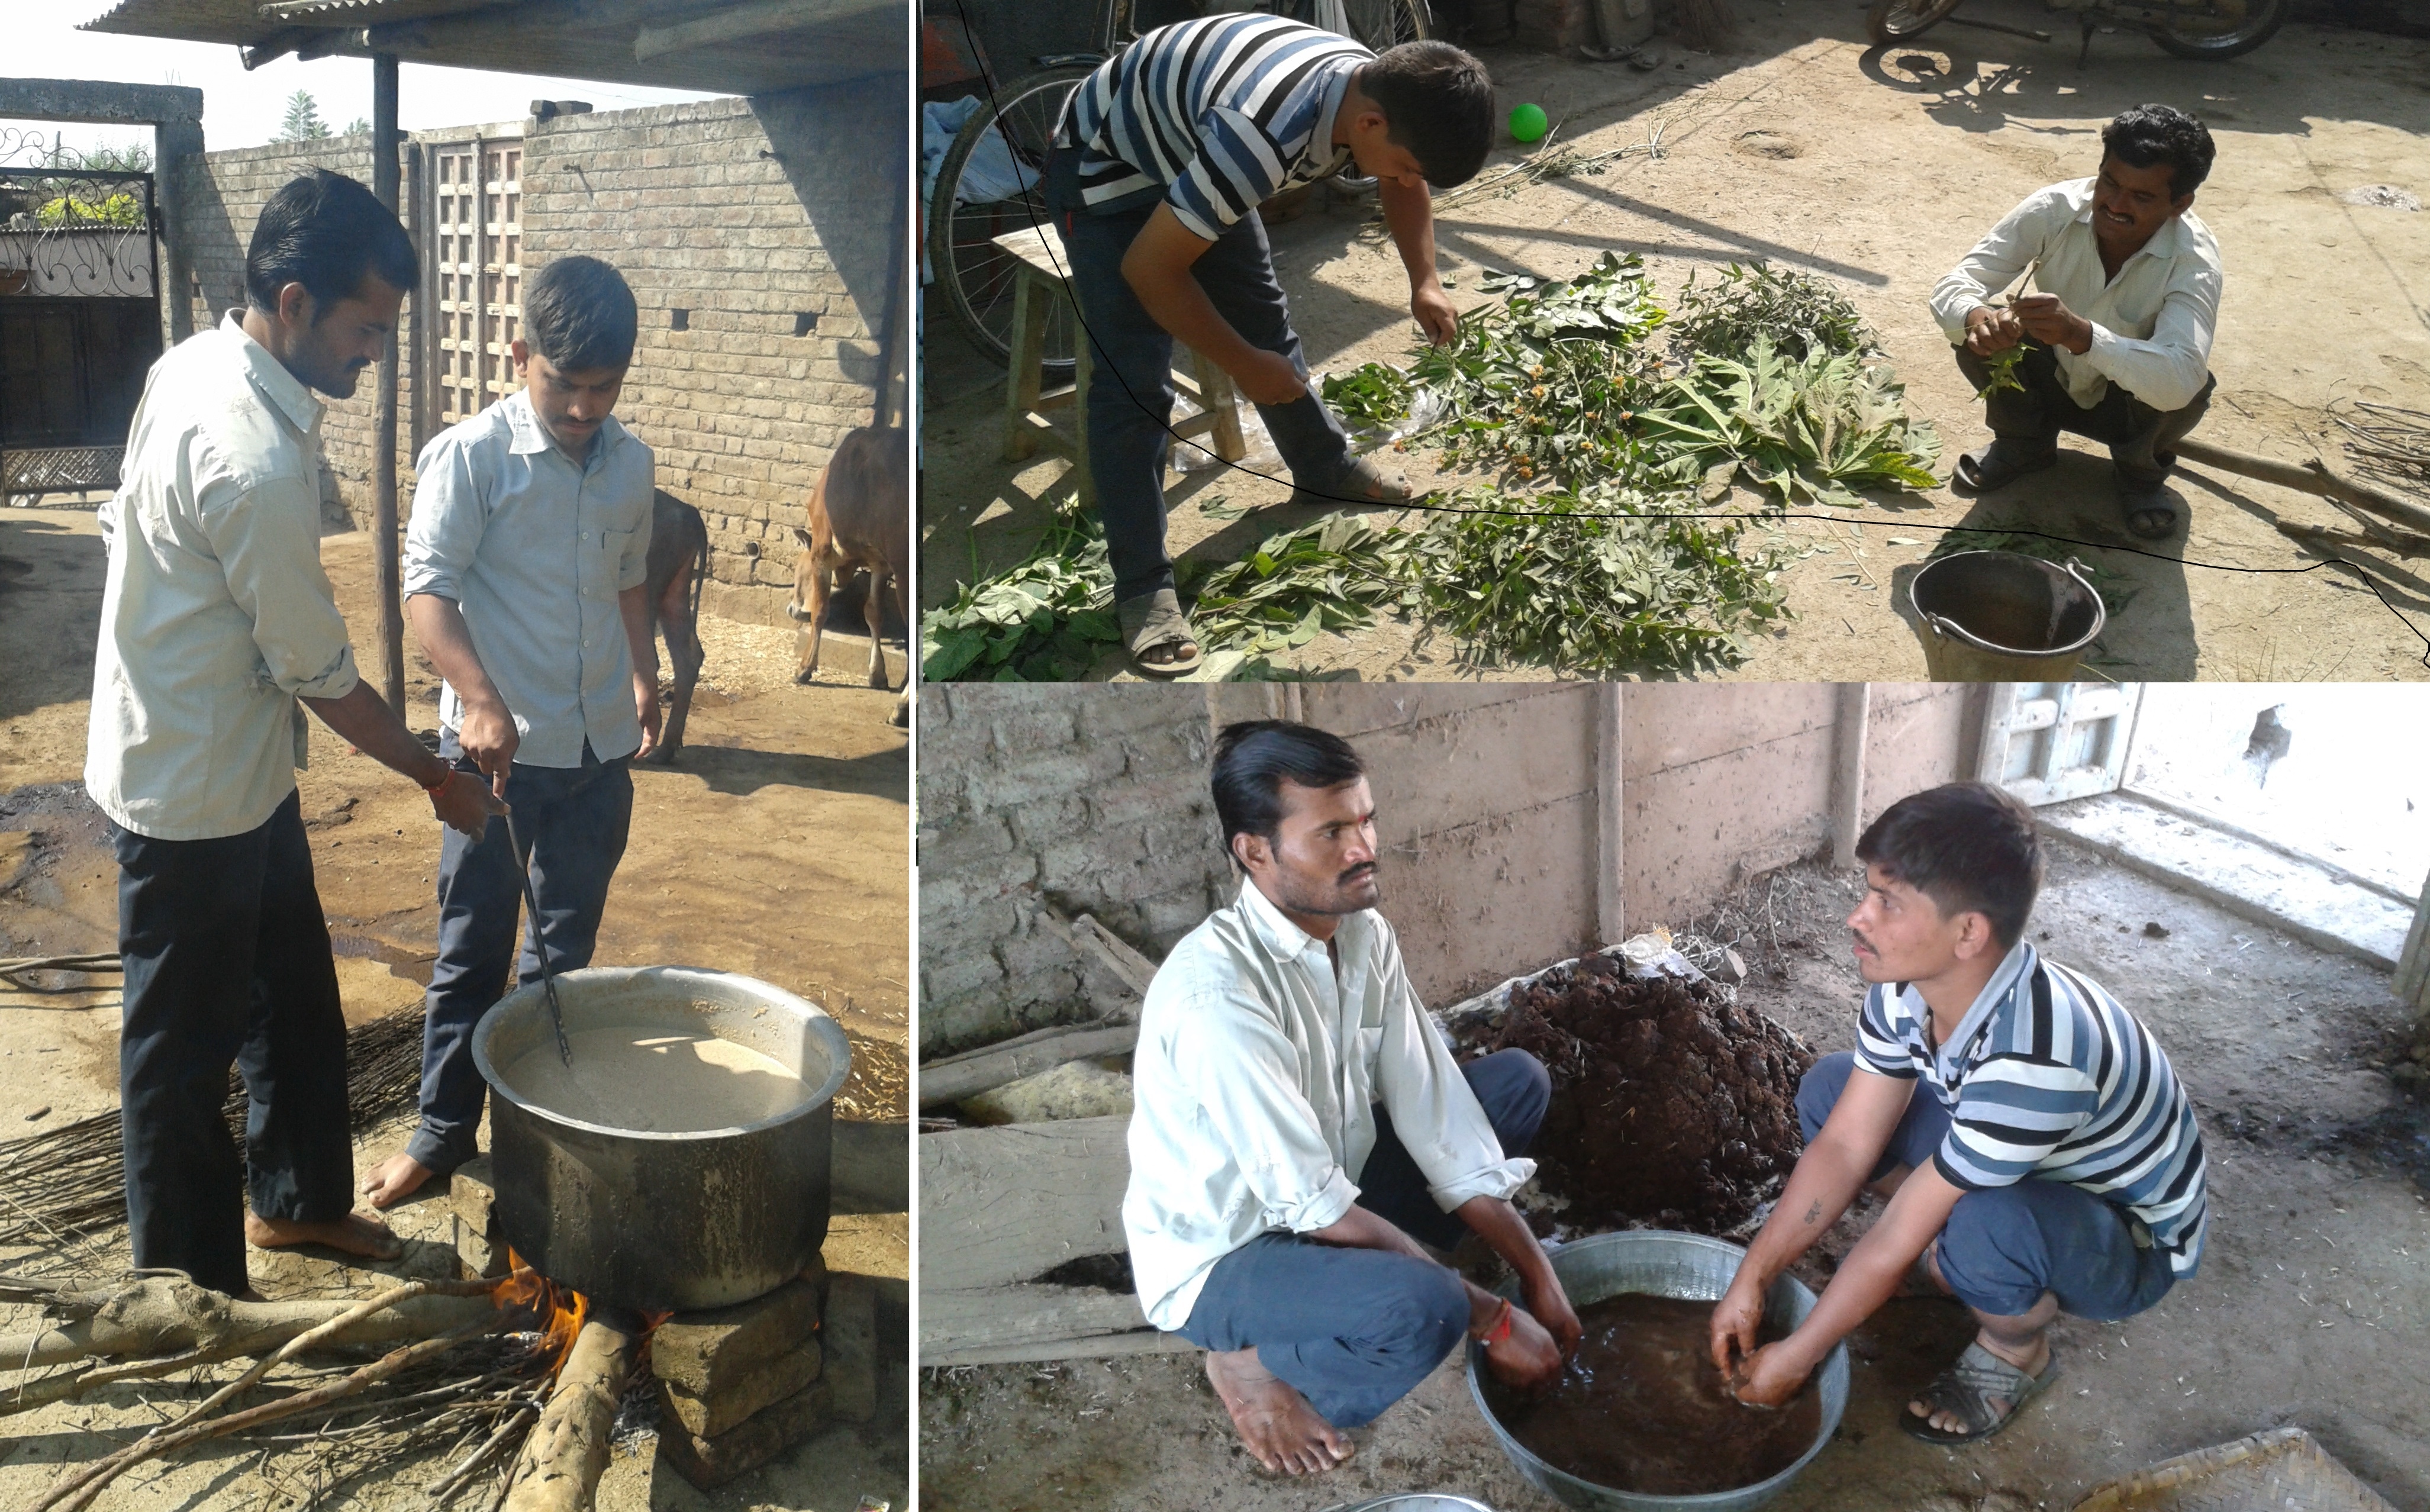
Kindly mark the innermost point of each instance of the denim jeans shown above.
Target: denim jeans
(1130, 383)
(226, 958)
(1354, 1331)
(572, 821)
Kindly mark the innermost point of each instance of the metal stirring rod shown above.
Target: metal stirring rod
(547, 977)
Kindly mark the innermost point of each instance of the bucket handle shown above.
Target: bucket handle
(1950, 629)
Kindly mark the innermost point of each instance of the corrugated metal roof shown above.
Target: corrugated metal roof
(574, 38)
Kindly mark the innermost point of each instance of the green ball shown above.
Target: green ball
(1528, 122)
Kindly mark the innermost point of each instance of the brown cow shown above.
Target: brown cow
(860, 516)
(678, 567)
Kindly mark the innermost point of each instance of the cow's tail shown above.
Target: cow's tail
(699, 573)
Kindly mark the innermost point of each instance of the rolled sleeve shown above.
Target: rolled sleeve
(266, 533)
(447, 523)
(2004, 253)
(1435, 1113)
(1239, 1066)
(2168, 371)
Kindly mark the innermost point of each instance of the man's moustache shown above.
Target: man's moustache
(1365, 869)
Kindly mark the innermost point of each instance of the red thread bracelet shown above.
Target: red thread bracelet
(1499, 1329)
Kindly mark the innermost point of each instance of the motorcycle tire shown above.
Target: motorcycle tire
(2263, 18)
(1897, 21)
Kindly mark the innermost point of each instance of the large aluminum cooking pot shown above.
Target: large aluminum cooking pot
(660, 1220)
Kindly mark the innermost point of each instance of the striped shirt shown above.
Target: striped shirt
(1212, 117)
(2047, 1076)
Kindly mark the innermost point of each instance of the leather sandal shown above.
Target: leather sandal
(1153, 621)
(1360, 481)
(1967, 1387)
(1999, 464)
(2151, 514)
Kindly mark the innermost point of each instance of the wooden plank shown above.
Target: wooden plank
(1022, 1317)
(1007, 1204)
(974, 1072)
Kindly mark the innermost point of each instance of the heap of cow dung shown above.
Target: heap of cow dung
(1670, 1106)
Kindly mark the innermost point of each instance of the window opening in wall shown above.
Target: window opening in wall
(679, 320)
(476, 202)
(805, 323)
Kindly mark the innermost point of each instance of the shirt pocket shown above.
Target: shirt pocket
(602, 562)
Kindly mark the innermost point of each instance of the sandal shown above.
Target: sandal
(2150, 512)
(1360, 481)
(1967, 1388)
(1153, 621)
(1999, 464)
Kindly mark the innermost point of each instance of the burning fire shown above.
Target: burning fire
(558, 1312)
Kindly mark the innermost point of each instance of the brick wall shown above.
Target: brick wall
(755, 218)
(1092, 798)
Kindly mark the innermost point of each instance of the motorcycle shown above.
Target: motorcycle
(2201, 29)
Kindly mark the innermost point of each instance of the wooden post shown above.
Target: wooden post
(1611, 912)
(1853, 715)
(384, 524)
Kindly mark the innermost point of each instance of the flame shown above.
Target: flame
(558, 1312)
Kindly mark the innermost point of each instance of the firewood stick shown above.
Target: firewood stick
(158, 1316)
(80, 1490)
(567, 1451)
(449, 1484)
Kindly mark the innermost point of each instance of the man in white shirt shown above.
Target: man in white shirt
(217, 624)
(2127, 286)
(1300, 1127)
(525, 568)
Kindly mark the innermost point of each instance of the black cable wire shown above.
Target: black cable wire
(961, 12)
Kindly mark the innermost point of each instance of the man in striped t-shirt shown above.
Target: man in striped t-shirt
(1162, 159)
(2050, 1164)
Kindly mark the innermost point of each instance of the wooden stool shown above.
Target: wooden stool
(1038, 283)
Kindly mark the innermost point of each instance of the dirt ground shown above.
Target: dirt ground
(775, 847)
(1879, 169)
(2312, 1305)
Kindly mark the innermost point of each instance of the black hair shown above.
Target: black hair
(1968, 846)
(326, 232)
(1437, 103)
(578, 313)
(1254, 757)
(2149, 135)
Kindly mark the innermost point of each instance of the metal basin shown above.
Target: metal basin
(664, 1222)
(1664, 1264)
(2000, 616)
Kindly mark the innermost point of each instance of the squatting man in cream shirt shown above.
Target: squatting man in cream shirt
(1301, 1132)
(218, 629)
(2124, 298)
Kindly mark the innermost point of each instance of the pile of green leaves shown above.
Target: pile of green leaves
(1817, 428)
(1041, 621)
(1800, 313)
(1548, 583)
(1331, 575)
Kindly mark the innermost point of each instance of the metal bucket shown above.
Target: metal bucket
(1664, 1264)
(2000, 616)
(1416, 1502)
(663, 1222)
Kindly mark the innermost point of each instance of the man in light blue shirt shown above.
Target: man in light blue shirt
(524, 567)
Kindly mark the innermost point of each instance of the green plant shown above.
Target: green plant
(1039, 622)
(1820, 427)
(1800, 313)
(2004, 364)
(1331, 575)
(68, 211)
(1547, 579)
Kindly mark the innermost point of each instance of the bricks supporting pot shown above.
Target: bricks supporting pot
(741, 1384)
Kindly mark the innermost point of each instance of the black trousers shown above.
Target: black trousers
(2138, 437)
(1130, 385)
(227, 961)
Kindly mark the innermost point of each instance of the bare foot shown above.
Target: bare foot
(355, 1234)
(1275, 1422)
(395, 1179)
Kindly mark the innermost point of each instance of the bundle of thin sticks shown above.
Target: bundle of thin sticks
(2390, 444)
(66, 1182)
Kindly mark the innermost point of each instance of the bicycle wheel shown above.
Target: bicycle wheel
(2218, 28)
(1377, 24)
(1896, 20)
(990, 183)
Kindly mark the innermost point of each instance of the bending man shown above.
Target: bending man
(2037, 1151)
(1300, 1132)
(1162, 159)
(2127, 286)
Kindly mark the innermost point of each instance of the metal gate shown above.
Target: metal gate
(79, 315)
(2047, 743)
(474, 205)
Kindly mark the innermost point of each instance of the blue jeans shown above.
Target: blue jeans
(2005, 1246)
(1354, 1331)
(1130, 383)
(226, 958)
(572, 821)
